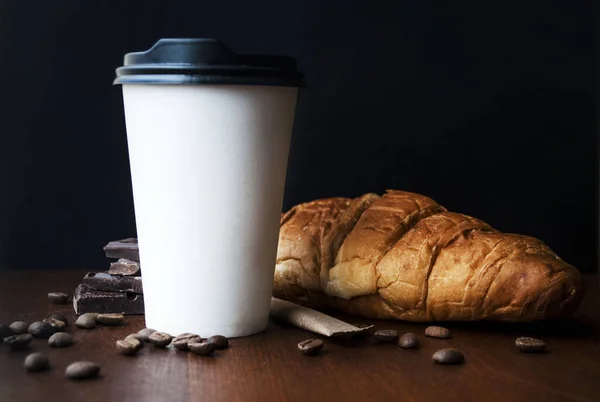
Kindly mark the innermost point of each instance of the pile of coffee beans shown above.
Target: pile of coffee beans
(182, 342)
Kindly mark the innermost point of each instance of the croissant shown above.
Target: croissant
(403, 256)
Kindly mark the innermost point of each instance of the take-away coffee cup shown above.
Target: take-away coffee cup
(208, 133)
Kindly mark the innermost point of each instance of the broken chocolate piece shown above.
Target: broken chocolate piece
(112, 283)
(126, 248)
(124, 267)
(87, 300)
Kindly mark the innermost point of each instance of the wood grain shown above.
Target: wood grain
(267, 366)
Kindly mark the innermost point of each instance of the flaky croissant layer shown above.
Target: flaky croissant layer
(403, 256)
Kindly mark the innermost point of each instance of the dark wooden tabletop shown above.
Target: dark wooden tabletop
(268, 367)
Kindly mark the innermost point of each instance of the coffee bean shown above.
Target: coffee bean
(82, 370)
(448, 356)
(60, 317)
(437, 332)
(529, 345)
(41, 329)
(137, 337)
(19, 327)
(181, 341)
(87, 320)
(58, 297)
(408, 341)
(5, 331)
(129, 345)
(145, 333)
(37, 362)
(110, 319)
(58, 324)
(220, 341)
(18, 342)
(311, 347)
(60, 340)
(386, 335)
(160, 339)
(202, 348)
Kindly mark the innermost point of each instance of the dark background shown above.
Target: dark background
(490, 109)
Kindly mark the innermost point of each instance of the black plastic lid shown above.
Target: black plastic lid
(206, 61)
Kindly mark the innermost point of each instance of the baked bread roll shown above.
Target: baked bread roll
(403, 256)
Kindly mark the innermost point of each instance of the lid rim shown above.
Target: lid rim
(205, 61)
(198, 79)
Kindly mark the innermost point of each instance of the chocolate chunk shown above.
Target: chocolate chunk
(124, 267)
(88, 300)
(113, 283)
(126, 248)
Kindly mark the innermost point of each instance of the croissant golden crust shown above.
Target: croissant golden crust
(403, 256)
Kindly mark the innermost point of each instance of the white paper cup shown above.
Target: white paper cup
(208, 165)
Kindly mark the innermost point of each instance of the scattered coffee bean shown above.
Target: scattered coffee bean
(41, 329)
(219, 341)
(386, 335)
(202, 348)
(5, 331)
(437, 332)
(110, 319)
(529, 345)
(58, 297)
(181, 341)
(58, 324)
(60, 340)
(37, 362)
(87, 320)
(311, 347)
(408, 341)
(82, 370)
(18, 342)
(60, 317)
(448, 356)
(160, 339)
(129, 345)
(145, 333)
(19, 327)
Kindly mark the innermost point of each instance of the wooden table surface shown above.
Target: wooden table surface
(268, 367)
